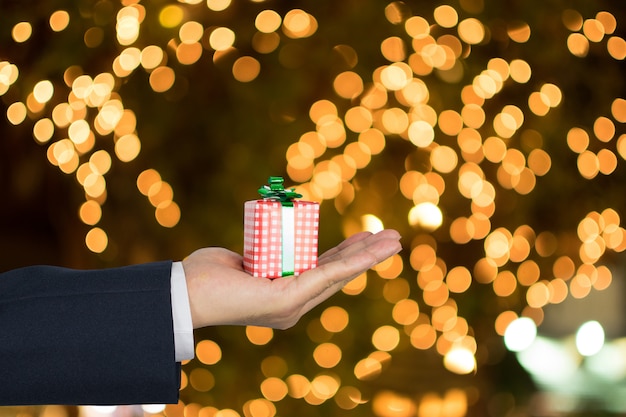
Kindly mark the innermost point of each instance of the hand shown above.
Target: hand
(221, 292)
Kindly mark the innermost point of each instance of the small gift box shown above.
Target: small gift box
(280, 233)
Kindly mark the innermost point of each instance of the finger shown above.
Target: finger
(350, 240)
(324, 281)
(347, 268)
(358, 244)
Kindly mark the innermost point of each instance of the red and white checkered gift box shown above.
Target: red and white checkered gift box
(280, 240)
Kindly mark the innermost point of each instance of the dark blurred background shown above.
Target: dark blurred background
(490, 134)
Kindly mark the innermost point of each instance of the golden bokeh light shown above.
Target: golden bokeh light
(246, 69)
(578, 44)
(43, 130)
(59, 20)
(188, 53)
(405, 311)
(390, 268)
(274, 366)
(171, 16)
(348, 85)
(259, 335)
(334, 319)
(572, 20)
(43, 91)
(93, 37)
(593, 30)
(160, 192)
(421, 133)
(201, 379)
(423, 336)
(208, 352)
(446, 16)
(22, 32)
(616, 47)
(259, 407)
(386, 338)
(504, 284)
(471, 30)
(519, 31)
(298, 385)
(96, 240)
(268, 21)
(393, 49)
(218, 5)
(356, 286)
(538, 295)
(16, 113)
(299, 24)
(100, 162)
(607, 20)
(274, 389)
(167, 213)
(459, 279)
(460, 361)
(151, 57)
(417, 27)
(348, 397)
(327, 355)
(265, 43)
(127, 27)
(391, 404)
(90, 212)
(368, 368)
(147, 179)
(127, 147)
(162, 79)
(190, 32)
(323, 387)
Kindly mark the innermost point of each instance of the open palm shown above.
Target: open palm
(221, 292)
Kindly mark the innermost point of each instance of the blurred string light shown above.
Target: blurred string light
(520, 334)
(93, 108)
(460, 145)
(572, 370)
(394, 103)
(590, 338)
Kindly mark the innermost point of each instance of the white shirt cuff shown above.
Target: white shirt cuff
(181, 315)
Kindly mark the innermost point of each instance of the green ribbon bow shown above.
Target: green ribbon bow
(275, 190)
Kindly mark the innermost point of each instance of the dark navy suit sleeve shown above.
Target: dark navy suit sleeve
(87, 337)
